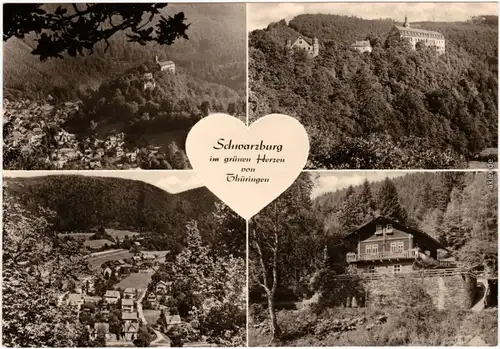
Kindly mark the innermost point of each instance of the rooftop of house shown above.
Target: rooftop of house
(416, 31)
(166, 63)
(415, 232)
(165, 283)
(129, 290)
(127, 302)
(91, 299)
(362, 43)
(129, 316)
(112, 294)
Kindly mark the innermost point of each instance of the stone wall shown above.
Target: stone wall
(443, 292)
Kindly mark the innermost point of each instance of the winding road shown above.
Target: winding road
(139, 307)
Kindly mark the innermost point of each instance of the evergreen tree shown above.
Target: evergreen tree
(389, 204)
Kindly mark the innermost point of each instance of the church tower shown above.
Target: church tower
(315, 47)
(406, 24)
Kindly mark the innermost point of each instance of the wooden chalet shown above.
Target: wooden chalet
(386, 246)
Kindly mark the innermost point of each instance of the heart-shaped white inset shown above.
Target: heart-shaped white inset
(247, 167)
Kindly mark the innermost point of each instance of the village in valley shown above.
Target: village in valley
(158, 275)
(35, 131)
(126, 108)
(121, 296)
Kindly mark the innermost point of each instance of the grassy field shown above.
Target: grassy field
(151, 316)
(111, 255)
(120, 234)
(135, 280)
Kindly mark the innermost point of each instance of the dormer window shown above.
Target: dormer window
(378, 230)
(388, 229)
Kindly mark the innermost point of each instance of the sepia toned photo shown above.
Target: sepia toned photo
(117, 86)
(379, 85)
(377, 258)
(120, 259)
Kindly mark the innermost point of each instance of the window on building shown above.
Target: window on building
(371, 249)
(378, 230)
(397, 269)
(388, 229)
(397, 246)
(371, 269)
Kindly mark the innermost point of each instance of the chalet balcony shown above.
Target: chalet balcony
(408, 254)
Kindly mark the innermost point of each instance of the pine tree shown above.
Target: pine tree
(348, 214)
(365, 204)
(389, 204)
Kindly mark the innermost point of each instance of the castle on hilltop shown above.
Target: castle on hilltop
(165, 65)
(418, 36)
(301, 42)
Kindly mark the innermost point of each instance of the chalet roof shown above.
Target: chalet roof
(415, 232)
(129, 290)
(112, 294)
(129, 316)
(127, 301)
(418, 32)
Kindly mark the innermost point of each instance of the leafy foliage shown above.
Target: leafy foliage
(36, 265)
(208, 292)
(73, 30)
(215, 51)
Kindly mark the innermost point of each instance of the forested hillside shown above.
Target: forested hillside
(215, 52)
(392, 108)
(175, 104)
(81, 203)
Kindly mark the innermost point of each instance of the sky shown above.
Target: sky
(333, 181)
(171, 181)
(260, 15)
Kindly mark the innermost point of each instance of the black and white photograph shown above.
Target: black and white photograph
(120, 259)
(117, 85)
(377, 258)
(380, 85)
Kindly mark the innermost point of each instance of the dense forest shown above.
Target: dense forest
(391, 108)
(83, 203)
(215, 53)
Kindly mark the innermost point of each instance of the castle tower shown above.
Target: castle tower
(315, 47)
(406, 24)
